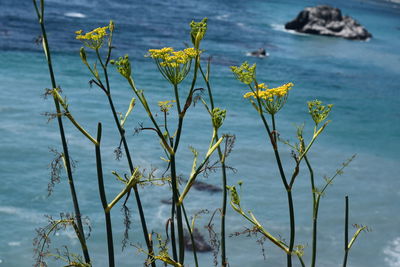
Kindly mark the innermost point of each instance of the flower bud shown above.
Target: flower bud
(111, 26)
(218, 117)
(82, 53)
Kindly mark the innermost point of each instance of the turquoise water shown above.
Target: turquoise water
(361, 78)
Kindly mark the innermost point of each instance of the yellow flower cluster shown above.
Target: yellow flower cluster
(93, 39)
(173, 65)
(173, 59)
(270, 93)
(165, 106)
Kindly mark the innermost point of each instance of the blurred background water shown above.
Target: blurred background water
(361, 78)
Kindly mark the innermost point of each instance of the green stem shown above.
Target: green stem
(175, 196)
(301, 261)
(173, 240)
(173, 170)
(315, 214)
(142, 100)
(292, 228)
(103, 199)
(346, 231)
(180, 119)
(128, 156)
(285, 183)
(191, 236)
(182, 115)
(224, 261)
(40, 15)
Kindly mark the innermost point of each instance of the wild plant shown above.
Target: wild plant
(175, 66)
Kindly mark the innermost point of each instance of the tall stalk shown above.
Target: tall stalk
(121, 131)
(288, 187)
(175, 189)
(103, 199)
(315, 214)
(40, 15)
(346, 231)
(224, 261)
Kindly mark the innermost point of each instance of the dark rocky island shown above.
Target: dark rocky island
(329, 21)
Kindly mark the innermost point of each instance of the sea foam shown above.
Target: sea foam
(392, 252)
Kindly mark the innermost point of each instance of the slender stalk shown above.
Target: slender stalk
(128, 155)
(180, 119)
(285, 183)
(224, 261)
(173, 240)
(40, 15)
(173, 163)
(142, 99)
(103, 199)
(315, 214)
(190, 230)
(178, 210)
(346, 231)
(292, 228)
(288, 187)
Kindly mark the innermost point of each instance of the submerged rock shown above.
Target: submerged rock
(199, 242)
(327, 20)
(259, 53)
(201, 186)
(166, 201)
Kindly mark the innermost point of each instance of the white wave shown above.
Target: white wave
(14, 244)
(22, 213)
(392, 252)
(281, 28)
(75, 15)
(222, 17)
(70, 234)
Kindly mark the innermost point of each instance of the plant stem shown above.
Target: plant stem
(224, 261)
(285, 183)
(346, 231)
(191, 237)
(173, 163)
(175, 196)
(315, 214)
(173, 241)
(128, 156)
(40, 15)
(103, 199)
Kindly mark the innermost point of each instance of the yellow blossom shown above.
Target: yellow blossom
(174, 65)
(272, 99)
(93, 39)
(165, 106)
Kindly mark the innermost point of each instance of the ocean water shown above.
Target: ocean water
(360, 78)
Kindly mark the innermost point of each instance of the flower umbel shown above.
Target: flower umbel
(218, 117)
(165, 106)
(245, 73)
(93, 39)
(272, 99)
(123, 66)
(197, 32)
(173, 65)
(318, 111)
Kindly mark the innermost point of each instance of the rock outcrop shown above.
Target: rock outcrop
(259, 53)
(199, 242)
(327, 20)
